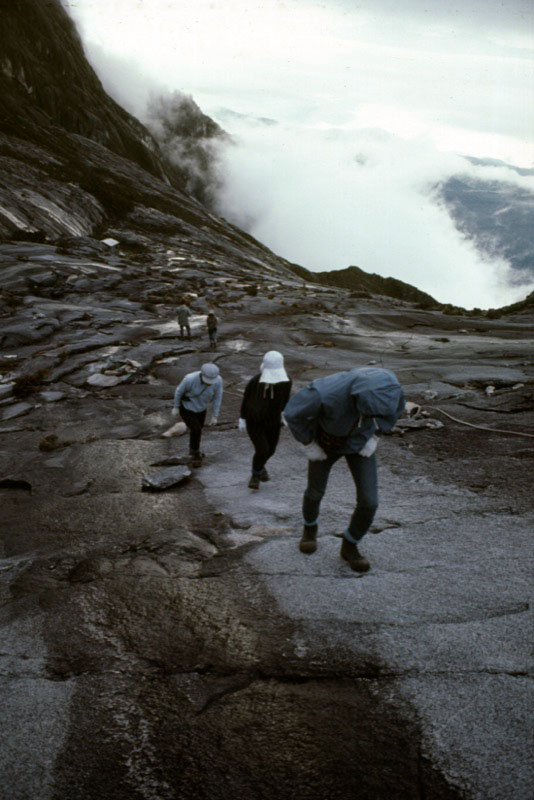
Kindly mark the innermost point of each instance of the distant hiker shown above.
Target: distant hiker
(192, 398)
(265, 396)
(184, 313)
(337, 416)
(211, 324)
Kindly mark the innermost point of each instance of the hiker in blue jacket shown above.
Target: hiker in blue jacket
(336, 416)
(192, 398)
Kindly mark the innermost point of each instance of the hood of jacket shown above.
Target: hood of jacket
(367, 392)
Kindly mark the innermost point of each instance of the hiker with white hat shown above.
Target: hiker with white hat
(264, 399)
(192, 398)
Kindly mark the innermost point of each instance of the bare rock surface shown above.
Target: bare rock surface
(176, 643)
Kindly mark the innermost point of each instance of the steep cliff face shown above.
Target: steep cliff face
(74, 163)
(44, 71)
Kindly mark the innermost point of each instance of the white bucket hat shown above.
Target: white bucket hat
(272, 368)
(209, 372)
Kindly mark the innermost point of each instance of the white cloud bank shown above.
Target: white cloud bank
(328, 199)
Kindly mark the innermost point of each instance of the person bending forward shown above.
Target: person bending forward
(340, 416)
(192, 398)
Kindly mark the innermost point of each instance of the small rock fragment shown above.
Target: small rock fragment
(6, 390)
(176, 430)
(172, 461)
(77, 488)
(104, 381)
(165, 478)
(18, 410)
(52, 397)
(52, 442)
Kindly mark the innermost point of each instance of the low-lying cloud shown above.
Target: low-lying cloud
(372, 104)
(330, 198)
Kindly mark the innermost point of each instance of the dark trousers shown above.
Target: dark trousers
(185, 327)
(195, 422)
(265, 439)
(364, 475)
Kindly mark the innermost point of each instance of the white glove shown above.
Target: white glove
(242, 425)
(369, 447)
(175, 411)
(213, 421)
(313, 452)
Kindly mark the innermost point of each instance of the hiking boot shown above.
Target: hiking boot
(254, 482)
(308, 542)
(350, 552)
(265, 476)
(196, 460)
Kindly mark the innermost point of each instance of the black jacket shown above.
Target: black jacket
(264, 402)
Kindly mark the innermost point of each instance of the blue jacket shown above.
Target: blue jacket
(359, 401)
(196, 395)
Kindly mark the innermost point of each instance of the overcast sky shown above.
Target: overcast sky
(460, 73)
(435, 78)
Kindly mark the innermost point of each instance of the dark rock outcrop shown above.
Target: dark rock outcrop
(45, 79)
(356, 280)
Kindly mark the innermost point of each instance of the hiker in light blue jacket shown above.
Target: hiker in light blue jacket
(192, 398)
(336, 416)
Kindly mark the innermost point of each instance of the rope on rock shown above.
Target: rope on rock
(480, 427)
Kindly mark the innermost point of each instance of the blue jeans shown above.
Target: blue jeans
(364, 474)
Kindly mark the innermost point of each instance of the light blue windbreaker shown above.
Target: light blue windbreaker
(359, 401)
(196, 395)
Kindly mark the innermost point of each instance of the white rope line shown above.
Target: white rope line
(481, 427)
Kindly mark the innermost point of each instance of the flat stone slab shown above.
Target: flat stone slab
(103, 381)
(165, 478)
(18, 410)
(6, 390)
(52, 397)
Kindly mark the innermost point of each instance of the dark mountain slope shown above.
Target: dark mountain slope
(44, 69)
(74, 163)
(365, 284)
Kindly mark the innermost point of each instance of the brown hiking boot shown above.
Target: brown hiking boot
(265, 476)
(254, 482)
(308, 542)
(350, 552)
